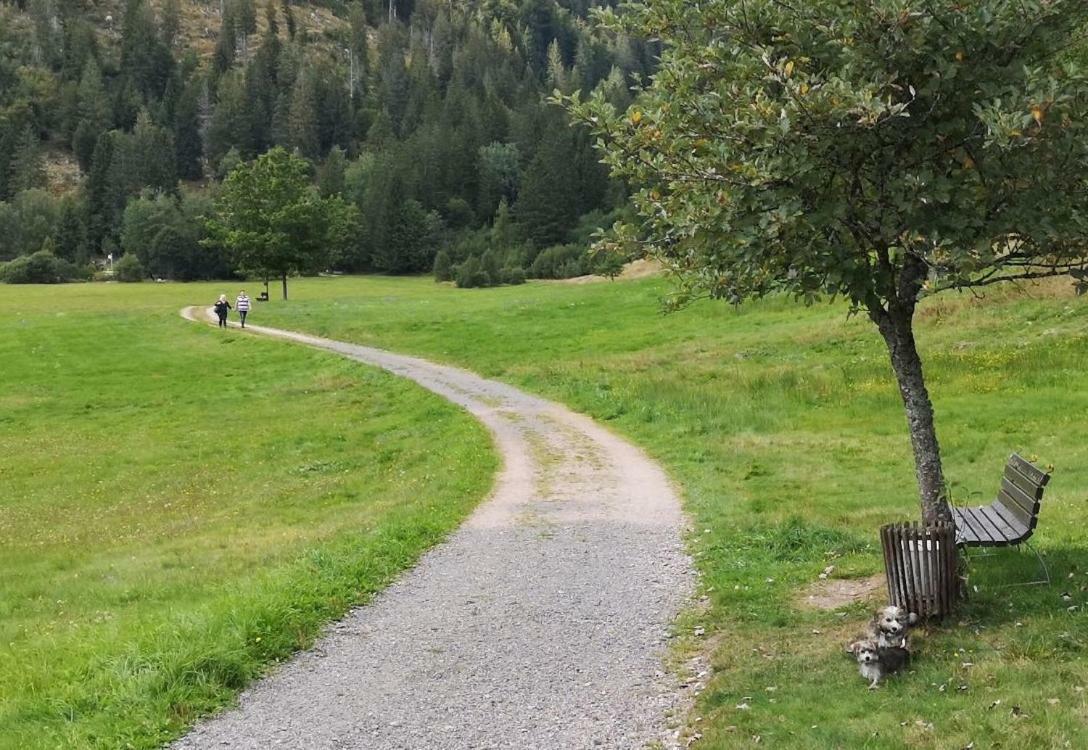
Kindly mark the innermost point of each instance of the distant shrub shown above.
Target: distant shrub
(471, 274)
(512, 275)
(561, 262)
(443, 266)
(41, 268)
(129, 268)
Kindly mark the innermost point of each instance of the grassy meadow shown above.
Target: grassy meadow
(182, 506)
(783, 428)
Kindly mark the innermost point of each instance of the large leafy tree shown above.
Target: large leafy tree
(877, 151)
(273, 221)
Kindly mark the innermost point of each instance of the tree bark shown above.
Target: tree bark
(285, 285)
(896, 326)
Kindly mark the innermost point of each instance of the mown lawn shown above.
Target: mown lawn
(181, 506)
(784, 429)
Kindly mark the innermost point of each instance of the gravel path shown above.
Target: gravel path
(541, 623)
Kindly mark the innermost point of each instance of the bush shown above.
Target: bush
(40, 268)
(443, 267)
(512, 275)
(561, 262)
(470, 274)
(129, 268)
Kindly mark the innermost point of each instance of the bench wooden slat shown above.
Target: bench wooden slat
(1012, 495)
(1027, 484)
(1005, 533)
(1029, 470)
(971, 531)
(1012, 517)
(995, 534)
(1019, 528)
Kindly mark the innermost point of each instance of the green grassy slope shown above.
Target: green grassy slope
(784, 429)
(181, 506)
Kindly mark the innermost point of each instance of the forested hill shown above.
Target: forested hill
(117, 122)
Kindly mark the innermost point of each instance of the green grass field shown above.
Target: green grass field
(783, 427)
(181, 507)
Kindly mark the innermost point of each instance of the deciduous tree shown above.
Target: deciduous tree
(875, 151)
(272, 220)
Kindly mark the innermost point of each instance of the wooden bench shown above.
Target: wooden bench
(1011, 518)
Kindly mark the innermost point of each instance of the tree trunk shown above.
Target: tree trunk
(285, 285)
(897, 329)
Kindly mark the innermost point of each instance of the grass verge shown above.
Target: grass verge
(784, 428)
(182, 506)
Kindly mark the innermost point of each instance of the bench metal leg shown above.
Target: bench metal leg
(1042, 563)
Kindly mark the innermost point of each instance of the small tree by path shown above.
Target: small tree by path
(273, 221)
(876, 151)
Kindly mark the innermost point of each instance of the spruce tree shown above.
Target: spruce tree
(171, 22)
(302, 125)
(330, 175)
(27, 169)
(153, 149)
(358, 52)
(188, 145)
(547, 205)
(94, 114)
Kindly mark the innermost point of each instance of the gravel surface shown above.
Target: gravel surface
(541, 623)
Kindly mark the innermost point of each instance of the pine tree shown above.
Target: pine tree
(171, 22)
(228, 126)
(153, 150)
(145, 60)
(289, 19)
(71, 235)
(393, 74)
(94, 114)
(358, 52)
(557, 71)
(302, 125)
(245, 23)
(226, 44)
(27, 170)
(98, 192)
(547, 206)
(188, 145)
(330, 175)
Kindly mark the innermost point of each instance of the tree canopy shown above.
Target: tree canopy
(875, 151)
(273, 221)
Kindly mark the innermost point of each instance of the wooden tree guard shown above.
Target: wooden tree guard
(920, 564)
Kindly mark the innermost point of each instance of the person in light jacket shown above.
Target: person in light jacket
(222, 307)
(242, 306)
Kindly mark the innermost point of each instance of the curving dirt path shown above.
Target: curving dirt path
(540, 623)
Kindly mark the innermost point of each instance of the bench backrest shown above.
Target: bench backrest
(1022, 489)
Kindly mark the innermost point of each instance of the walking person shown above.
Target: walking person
(242, 305)
(222, 307)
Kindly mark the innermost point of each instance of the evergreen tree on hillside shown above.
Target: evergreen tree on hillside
(153, 154)
(71, 234)
(188, 145)
(358, 52)
(547, 205)
(94, 114)
(171, 22)
(302, 126)
(27, 168)
(145, 60)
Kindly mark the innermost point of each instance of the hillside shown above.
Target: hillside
(432, 118)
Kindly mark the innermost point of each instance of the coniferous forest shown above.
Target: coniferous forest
(430, 117)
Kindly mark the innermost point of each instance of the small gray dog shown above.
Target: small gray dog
(890, 627)
(885, 647)
(874, 662)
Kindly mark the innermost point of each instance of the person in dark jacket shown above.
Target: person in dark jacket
(222, 307)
